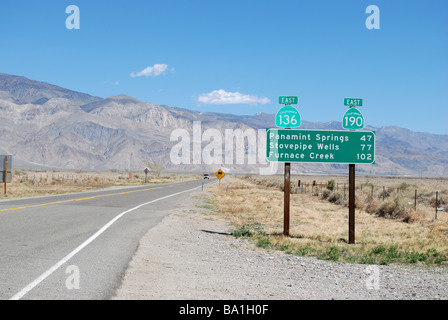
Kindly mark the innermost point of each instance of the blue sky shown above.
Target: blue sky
(240, 56)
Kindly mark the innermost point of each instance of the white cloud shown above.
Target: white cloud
(223, 97)
(155, 70)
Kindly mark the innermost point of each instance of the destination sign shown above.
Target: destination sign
(320, 146)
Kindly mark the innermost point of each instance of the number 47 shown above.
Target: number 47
(366, 138)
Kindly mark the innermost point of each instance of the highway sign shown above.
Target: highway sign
(8, 177)
(3, 162)
(320, 146)
(287, 117)
(352, 102)
(7, 166)
(220, 174)
(288, 100)
(353, 119)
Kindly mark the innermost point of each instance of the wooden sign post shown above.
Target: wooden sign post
(287, 193)
(351, 203)
(5, 177)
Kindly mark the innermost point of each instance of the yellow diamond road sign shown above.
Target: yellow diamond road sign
(220, 174)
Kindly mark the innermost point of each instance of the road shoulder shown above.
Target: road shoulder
(191, 255)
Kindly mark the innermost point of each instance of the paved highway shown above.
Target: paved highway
(78, 246)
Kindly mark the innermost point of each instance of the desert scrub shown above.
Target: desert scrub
(326, 194)
(331, 253)
(335, 197)
(242, 231)
(385, 193)
(264, 242)
(388, 232)
(386, 255)
(394, 209)
(331, 185)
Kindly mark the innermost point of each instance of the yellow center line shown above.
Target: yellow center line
(79, 199)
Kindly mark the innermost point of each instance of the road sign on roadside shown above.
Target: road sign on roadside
(320, 146)
(3, 162)
(6, 175)
(288, 117)
(5, 166)
(2, 176)
(352, 102)
(353, 119)
(146, 171)
(220, 174)
(288, 100)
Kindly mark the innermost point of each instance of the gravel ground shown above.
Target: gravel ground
(191, 255)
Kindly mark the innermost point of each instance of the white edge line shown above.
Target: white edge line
(47, 273)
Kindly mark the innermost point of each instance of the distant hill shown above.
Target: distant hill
(43, 125)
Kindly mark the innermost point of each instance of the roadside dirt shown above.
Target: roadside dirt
(192, 255)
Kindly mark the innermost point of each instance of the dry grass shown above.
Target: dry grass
(318, 227)
(27, 183)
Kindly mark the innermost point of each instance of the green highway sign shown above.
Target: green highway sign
(288, 117)
(352, 102)
(320, 146)
(288, 100)
(353, 119)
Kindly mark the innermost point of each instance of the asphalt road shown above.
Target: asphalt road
(78, 246)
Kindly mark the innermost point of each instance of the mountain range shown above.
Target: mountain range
(46, 126)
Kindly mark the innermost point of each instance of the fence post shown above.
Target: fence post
(415, 200)
(6, 174)
(344, 191)
(437, 202)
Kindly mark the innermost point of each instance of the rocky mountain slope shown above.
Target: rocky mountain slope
(43, 125)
